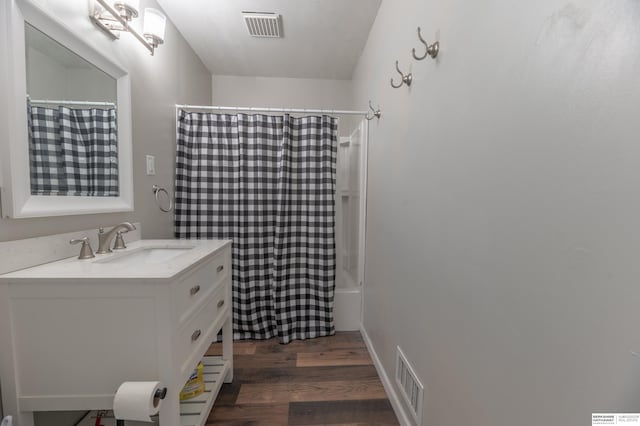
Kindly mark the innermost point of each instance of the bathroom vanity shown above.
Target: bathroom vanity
(74, 330)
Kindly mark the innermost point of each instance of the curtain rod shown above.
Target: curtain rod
(291, 110)
(46, 101)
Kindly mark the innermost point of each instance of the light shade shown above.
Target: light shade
(154, 25)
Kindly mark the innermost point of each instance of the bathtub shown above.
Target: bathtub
(347, 308)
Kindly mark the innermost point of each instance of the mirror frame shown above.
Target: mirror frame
(15, 186)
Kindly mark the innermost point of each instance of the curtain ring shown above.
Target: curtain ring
(157, 190)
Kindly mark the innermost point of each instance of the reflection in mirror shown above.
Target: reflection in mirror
(72, 121)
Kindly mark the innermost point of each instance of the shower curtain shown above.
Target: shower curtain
(268, 184)
(73, 151)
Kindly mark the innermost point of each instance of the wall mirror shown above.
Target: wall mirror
(67, 120)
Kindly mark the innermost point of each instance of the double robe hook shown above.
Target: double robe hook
(432, 49)
(375, 113)
(406, 79)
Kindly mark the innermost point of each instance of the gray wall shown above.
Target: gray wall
(503, 211)
(272, 92)
(174, 75)
(48, 79)
(281, 92)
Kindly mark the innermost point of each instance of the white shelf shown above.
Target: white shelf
(194, 411)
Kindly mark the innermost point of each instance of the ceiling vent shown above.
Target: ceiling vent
(261, 24)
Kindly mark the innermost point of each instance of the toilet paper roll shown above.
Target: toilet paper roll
(136, 401)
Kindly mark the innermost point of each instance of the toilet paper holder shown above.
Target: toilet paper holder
(158, 395)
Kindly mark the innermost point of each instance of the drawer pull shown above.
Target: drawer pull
(196, 334)
(221, 304)
(194, 290)
(219, 268)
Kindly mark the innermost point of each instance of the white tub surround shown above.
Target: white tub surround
(76, 329)
(347, 309)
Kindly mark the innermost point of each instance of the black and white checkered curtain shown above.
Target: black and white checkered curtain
(267, 183)
(46, 158)
(73, 151)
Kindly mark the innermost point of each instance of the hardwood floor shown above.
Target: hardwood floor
(324, 381)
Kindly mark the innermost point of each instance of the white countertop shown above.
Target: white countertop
(97, 268)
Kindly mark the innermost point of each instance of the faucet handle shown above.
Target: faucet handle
(85, 251)
(119, 244)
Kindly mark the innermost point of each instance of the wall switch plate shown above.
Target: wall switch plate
(151, 165)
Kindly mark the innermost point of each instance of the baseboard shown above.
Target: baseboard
(398, 408)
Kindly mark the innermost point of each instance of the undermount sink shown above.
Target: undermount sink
(145, 256)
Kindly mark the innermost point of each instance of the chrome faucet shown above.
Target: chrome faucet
(105, 238)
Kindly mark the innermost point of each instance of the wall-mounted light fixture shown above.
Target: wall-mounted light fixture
(154, 23)
(113, 17)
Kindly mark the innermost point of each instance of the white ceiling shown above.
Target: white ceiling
(322, 38)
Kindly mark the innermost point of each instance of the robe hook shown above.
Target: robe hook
(406, 79)
(432, 49)
(374, 113)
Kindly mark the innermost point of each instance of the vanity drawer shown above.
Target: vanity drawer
(198, 285)
(195, 331)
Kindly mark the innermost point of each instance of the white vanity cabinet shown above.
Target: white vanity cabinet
(72, 331)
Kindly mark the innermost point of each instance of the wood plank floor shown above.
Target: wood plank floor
(324, 381)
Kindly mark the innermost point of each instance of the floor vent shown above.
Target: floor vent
(262, 24)
(410, 387)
